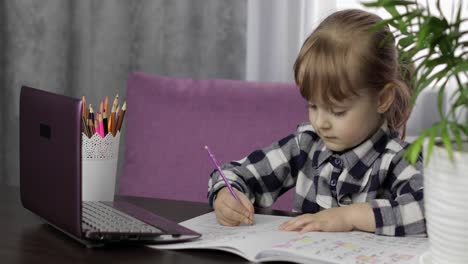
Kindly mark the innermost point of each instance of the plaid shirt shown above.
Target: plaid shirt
(373, 172)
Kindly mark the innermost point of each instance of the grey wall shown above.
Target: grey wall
(88, 47)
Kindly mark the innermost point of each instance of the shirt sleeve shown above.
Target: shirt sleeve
(403, 214)
(264, 174)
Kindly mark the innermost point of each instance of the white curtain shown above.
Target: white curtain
(276, 30)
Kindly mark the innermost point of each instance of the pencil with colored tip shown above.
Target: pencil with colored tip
(101, 125)
(112, 115)
(96, 125)
(117, 111)
(101, 107)
(112, 121)
(85, 127)
(114, 125)
(213, 159)
(91, 121)
(121, 116)
(104, 122)
(106, 104)
(84, 117)
(116, 101)
(83, 110)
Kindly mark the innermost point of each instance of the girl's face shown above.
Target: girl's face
(348, 123)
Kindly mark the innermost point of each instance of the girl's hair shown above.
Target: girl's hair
(344, 55)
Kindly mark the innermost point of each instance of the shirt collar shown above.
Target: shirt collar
(359, 159)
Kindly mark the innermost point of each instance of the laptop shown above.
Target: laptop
(50, 179)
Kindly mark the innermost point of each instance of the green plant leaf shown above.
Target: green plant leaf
(437, 61)
(445, 45)
(392, 10)
(412, 153)
(436, 76)
(458, 19)
(462, 99)
(462, 67)
(397, 22)
(421, 82)
(407, 21)
(441, 97)
(432, 33)
(406, 41)
(446, 140)
(380, 24)
(464, 129)
(430, 145)
(456, 133)
(422, 35)
(422, 32)
(384, 3)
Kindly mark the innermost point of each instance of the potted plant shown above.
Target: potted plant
(435, 44)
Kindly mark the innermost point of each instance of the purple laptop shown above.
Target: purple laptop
(50, 179)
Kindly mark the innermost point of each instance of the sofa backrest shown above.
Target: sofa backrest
(170, 120)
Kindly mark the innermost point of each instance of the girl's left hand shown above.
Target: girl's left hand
(330, 220)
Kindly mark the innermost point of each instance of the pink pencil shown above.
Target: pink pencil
(98, 129)
(213, 159)
(101, 125)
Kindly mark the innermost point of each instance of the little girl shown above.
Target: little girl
(347, 164)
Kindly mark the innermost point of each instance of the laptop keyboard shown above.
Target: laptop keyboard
(103, 218)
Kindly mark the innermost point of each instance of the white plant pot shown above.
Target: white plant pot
(446, 207)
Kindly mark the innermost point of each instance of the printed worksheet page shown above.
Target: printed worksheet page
(262, 241)
(244, 240)
(348, 247)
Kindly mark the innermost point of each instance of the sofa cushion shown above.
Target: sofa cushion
(169, 121)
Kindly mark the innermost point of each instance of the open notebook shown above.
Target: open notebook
(264, 242)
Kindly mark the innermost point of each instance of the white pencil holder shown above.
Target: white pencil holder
(99, 166)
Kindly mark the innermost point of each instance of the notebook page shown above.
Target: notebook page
(263, 241)
(349, 247)
(245, 240)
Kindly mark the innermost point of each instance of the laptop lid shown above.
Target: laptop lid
(50, 158)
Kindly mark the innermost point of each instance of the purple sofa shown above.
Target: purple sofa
(170, 120)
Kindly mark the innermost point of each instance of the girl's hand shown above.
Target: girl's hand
(229, 211)
(329, 220)
(339, 219)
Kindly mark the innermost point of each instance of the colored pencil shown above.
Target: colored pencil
(101, 125)
(104, 122)
(121, 116)
(213, 159)
(106, 104)
(91, 121)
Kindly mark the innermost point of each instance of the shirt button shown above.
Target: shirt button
(337, 162)
(333, 183)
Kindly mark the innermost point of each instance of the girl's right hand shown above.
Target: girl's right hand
(230, 212)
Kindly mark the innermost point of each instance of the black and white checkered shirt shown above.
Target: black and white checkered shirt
(374, 172)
